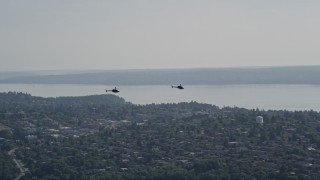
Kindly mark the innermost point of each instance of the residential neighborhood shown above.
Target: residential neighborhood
(104, 137)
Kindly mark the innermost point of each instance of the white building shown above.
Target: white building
(259, 120)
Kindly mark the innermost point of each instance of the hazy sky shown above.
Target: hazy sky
(134, 34)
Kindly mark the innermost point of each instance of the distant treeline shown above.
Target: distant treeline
(204, 76)
(28, 100)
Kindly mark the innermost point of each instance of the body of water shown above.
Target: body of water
(290, 97)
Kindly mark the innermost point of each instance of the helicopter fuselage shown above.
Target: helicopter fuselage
(178, 87)
(115, 90)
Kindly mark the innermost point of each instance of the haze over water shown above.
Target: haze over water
(275, 97)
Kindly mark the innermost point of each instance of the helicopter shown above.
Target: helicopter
(114, 90)
(178, 87)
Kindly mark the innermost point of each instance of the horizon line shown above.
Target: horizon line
(146, 69)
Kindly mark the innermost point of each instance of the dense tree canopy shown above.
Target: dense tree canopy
(103, 137)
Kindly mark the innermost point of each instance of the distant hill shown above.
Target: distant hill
(29, 100)
(8, 75)
(208, 76)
